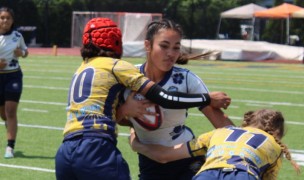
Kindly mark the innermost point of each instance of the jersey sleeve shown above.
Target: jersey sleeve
(199, 146)
(22, 43)
(196, 85)
(128, 75)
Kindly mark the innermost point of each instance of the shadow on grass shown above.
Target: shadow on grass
(20, 154)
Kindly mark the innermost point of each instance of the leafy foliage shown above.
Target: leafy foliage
(199, 18)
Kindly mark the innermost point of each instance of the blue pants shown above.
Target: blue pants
(219, 174)
(90, 158)
(183, 169)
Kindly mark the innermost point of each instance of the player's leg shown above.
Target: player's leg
(11, 116)
(2, 112)
(2, 98)
(12, 94)
(11, 127)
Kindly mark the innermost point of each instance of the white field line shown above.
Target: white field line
(268, 103)
(298, 155)
(48, 71)
(251, 74)
(35, 110)
(263, 103)
(256, 90)
(46, 87)
(43, 102)
(249, 80)
(51, 128)
(27, 168)
(47, 78)
(215, 87)
(241, 118)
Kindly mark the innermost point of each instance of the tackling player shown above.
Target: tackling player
(89, 148)
(251, 152)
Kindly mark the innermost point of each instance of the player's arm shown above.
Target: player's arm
(128, 75)
(164, 154)
(179, 100)
(159, 153)
(216, 116)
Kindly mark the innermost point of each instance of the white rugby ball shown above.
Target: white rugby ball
(154, 122)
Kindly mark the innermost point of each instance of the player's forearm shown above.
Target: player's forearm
(217, 117)
(161, 154)
(176, 100)
(158, 153)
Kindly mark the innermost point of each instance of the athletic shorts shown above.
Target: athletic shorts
(222, 174)
(90, 158)
(10, 86)
(183, 169)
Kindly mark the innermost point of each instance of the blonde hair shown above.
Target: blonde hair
(272, 122)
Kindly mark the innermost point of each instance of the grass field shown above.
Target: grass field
(42, 109)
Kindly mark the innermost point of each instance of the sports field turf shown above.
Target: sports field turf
(42, 109)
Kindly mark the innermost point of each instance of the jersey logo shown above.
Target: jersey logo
(178, 78)
(177, 131)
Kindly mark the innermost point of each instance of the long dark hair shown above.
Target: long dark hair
(90, 50)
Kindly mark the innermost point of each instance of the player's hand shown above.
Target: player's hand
(138, 108)
(18, 52)
(2, 63)
(219, 100)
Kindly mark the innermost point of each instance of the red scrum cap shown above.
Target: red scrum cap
(103, 33)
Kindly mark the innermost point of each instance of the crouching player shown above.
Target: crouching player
(253, 151)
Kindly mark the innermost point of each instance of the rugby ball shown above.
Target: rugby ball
(154, 122)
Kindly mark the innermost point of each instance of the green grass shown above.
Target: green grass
(251, 86)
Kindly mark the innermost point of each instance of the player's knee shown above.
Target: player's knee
(2, 115)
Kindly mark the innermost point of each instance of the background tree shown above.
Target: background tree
(297, 25)
(199, 18)
(275, 29)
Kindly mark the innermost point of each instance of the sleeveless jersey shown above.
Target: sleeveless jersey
(8, 44)
(92, 98)
(248, 149)
(172, 130)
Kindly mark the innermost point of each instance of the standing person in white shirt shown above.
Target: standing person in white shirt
(12, 46)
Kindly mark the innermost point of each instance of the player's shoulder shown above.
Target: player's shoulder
(177, 69)
(16, 33)
(180, 69)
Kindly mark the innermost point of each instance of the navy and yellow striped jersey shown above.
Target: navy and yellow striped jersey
(249, 149)
(93, 94)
